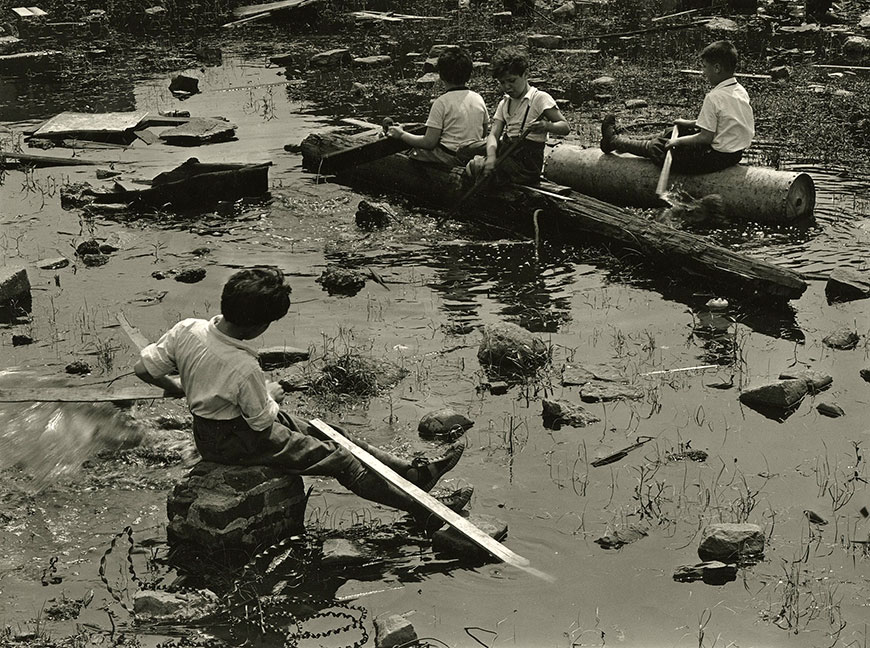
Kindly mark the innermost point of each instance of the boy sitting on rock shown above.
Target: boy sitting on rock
(715, 140)
(457, 117)
(236, 417)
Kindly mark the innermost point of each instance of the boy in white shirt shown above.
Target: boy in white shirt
(524, 113)
(715, 140)
(236, 417)
(457, 117)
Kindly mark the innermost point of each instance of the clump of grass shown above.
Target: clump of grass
(352, 374)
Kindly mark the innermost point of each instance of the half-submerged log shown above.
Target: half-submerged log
(748, 193)
(572, 217)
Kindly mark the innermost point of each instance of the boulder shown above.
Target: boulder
(280, 357)
(816, 380)
(856, 48)
(451, 542)
(559, 412)
(847, 284)
(157, 605)
(843, 339)
(781, 394)
(443, 422)
(234, 508)
(376, 61)
(510, 349)
(830, 409)
(599, 391)
(14, 287)
(711, 572)
(331, 58)
(728, 542)
(394, 630)
(545, 41)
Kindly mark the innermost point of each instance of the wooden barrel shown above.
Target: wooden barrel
(748, 192)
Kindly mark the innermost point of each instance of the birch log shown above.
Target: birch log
(750, 193)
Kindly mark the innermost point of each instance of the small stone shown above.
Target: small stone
(717, 304)
(711, 572)
(88, 247)
(830, 409)
(105, 174)
(21, 340)
(341, 281)
(510, 349)
(443, 422)
(727, 541)
(856, 48)
(565, 10)
(602, 83)
(331, 58)
(360, 89)
(14, 287)
(283, 60)
(779, 73)
(634, 104)
(559, 412)
(781, 394)
(865, 374)
(450, 541)
(843, 93)
(545, 41)
(159, 274)
(394, 630)
(815, 518)
(172, 422)
(722, 24)
(280, 357)
(174, 606)
(844, 339)
(190, 275)
(78, 367)
(95, 260)
(340, 552)
(53, 264)
(603, 98)
(428, 79)
(622, 536)
(498, 387)
(75, 195)
(816, 380)
(379, 60)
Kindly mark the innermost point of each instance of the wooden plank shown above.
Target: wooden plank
(739, 75)
(431, 504)
(79, 394)
(267, 8)
(44, 160)
(859, 68)
(135, 335)
(367, 152)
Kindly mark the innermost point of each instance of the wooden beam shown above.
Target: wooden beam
(135, 335)
(43, 160)
(79, 394)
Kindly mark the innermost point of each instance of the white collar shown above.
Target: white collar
(223, 337)
(727, 82)
(527, 96)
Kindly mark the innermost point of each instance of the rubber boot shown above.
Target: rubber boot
(641, 147)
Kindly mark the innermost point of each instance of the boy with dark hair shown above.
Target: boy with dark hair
(715, 140)
(236, 417)
(525, 113)
(456, 118)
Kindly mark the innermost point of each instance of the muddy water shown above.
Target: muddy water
(445, 281)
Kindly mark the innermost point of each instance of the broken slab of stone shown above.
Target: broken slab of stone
(545, 41)
(158, 605)
(830, 409)
(341, 552)
(847, 284)
(727, 542)
(622, 536)
(722, 24)
(510, 349)
(284, 60)
(780, 394)
(560, 412)
(234, 508)
(374, 215)
(451, 542)
(55, 263)
(843, 339)
(712, 572)
(443, 422)
(376, 61)
(816, 380)
(330, 58)
(341, 281)
(200, 130)
(184, 84)
(428, 79)
(280, 357)
(394, 630)
(599, 391)
(577, 376)
(14, 287)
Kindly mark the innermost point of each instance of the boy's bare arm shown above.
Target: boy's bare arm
(702, 138)
(684, 123)
(170, 384)
(492, 146)
(427, 141)
(551, 121)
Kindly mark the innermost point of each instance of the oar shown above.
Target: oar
(662, 186)
(430, 503)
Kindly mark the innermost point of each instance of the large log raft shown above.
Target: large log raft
(750, 193)
(566, 217)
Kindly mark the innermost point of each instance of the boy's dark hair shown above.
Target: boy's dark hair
(510, 60)
(723, 53)
(255, 296)
(454, 66)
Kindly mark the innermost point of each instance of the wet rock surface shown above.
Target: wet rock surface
(728, 542)
(844, 339)
(451, 542)
(509, 349)
(711, 572)
(779, 394)
(444, 422)
(557, 413)
(342, 281)
(622, 536)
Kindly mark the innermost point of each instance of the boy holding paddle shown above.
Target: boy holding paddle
(712, 142)
(514, 149)
(457, 117)
(236, 416)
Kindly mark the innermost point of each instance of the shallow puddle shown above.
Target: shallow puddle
(442, 282)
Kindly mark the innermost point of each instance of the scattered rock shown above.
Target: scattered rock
(439, 48)
(430, 65)
(341, 552)
(190, 275)
(443, 422)
(220, 507)
(847, 284)
(21, 340)
(342, 281)
(360, 89)
(78, 367)
(779, 73)
(173, 422)
(331, 58)
(94, 260)
(200, 130)
(283, 60)
(597, 391)
(429, 79)
(157, 605)
(502, 18)
(865, 374)
(280, 357)
(14, 287)
(449, 541)
(376, 61)
(376, 215)
(602, 83)
(509, 349)
(633, 104)
(498, 387)
(394, 630)
(545, 41)
(565, 10)
(711, 572)
(816, 380)
(53, 264)
(856, 48)
(184, 84)
(622, 536)
(559, 412)
(830, 409)
(728, 542)
(722, 24)
(105, 174)
(781, 394)
(686, 454)
(577, 376)
(843, 339)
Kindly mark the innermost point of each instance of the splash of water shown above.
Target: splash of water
(48, 441)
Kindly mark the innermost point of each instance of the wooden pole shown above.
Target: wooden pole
(662, 186)
(424, 499)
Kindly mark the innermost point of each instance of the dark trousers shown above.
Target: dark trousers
(692, 160)
(522, 167)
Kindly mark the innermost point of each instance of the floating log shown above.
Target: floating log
(572, 217)
(749, 193)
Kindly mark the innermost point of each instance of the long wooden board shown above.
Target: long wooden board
(360, 154)
(437, 508)
(79, 394)
(43, 160)
(132, 332)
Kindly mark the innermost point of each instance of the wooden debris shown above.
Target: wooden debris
(390, 16)
(8, 159)
(622, 454)
(79, 394)
(739, 75)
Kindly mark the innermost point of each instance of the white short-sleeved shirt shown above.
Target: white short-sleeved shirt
(513, 112)
(727, 114)
(461, 115)
(220, 375)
